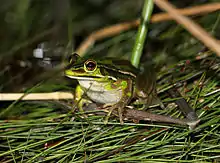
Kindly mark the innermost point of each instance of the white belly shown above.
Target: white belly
(96, 92)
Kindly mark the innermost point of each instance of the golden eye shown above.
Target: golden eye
(90, 65)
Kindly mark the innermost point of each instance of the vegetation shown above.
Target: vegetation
(52, 131)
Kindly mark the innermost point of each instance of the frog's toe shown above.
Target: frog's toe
(120, 113)
(109, 114)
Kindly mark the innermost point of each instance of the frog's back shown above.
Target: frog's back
(123, 68)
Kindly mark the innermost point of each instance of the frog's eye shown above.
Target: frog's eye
(90, 65)
(73, 58)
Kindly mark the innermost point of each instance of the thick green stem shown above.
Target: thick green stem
(142, 32)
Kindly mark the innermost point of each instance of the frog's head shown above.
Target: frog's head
(86, 69)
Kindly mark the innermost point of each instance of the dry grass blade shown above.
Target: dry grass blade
(118, 28)
(191, 26)
(36, 96)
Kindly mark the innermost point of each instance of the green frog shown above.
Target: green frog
(112, 82)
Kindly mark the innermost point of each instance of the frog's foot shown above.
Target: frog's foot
(118, 106)
(83, 103)
(156, 101)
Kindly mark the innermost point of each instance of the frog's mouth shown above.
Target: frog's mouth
(84, 77)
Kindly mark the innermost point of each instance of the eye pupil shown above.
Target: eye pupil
(90, 65)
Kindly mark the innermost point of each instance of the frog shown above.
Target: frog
(112, 82)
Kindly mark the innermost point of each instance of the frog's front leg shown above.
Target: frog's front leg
(79, 99)
(127, 94)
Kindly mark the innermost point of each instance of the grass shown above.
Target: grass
(48, 131)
